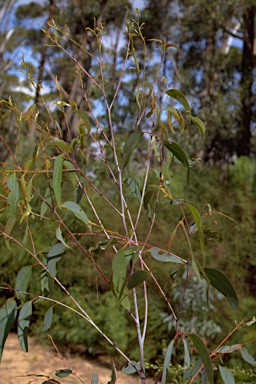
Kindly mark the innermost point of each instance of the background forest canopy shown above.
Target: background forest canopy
(214, 68)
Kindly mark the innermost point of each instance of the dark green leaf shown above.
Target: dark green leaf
(22, 281)
(221, 282)
(177, 95)
(162, 272)
(204, 354)
(133, 185)
(23, 325)
(8, 314)
(165, 257)
(48, 319)
(167, 361)
(57, 179)
(131, 143)
(212, 235)
(78, 212)
(63, 372)
(13, 196)
(137, 278)
(119, 268)
(178, 152)
(247, 357)
(226, 375)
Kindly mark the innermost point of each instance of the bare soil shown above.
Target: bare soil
(44, 360)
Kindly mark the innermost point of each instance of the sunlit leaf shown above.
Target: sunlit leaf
(23, 325)
(226, 375)
(222, 283)
(131, 143)
(137, 278)
(165, 257)
(22, 281)
(48, 319)
(204, 354)
(57, 179)
(167, 361)
(177, 95)
(178, 152)
(8, 314)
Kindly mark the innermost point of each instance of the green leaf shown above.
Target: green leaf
(226, 375)
(62, 145)
(13, 196)
(23, 325)
(137, 278)
(221, 282)
(177, 95)
(167, 361)
(201, 349)
(178, 117)
(247, 357)
(133, 185)
(186, 354)
(199, 123)
(57, 179)
(178, 152)
(95, 379)
(131, 143)
(162, 272)
(63, 372)
(130, 369)
(119, 268)
(48, 199)
(71, 175)
(165, 257)
(84, 118)
(22, 281)
(78, 212)
(8, 314)
(60, 238)
(197, 226)
(54, 255)
(48, 319)
(9, 226)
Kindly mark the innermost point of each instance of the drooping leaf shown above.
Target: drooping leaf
(62, 145)
(48, 319)
(60, 238)
(48, 199)
(24, 188)
(166, 257)
(24, 244)
(22, 281)
(133, 185)
(13, 196)
(137, 278)
(63, 372)
(83, 116)
(23, 325)
(186, 354)
(247, 357)
(119, 268)
(204, 354)
(9, 226)
(8, 314)
(78, 212)
(167, 361)
(71, 175)
(178, 117)
(95, 379)
(131, 143)
(226, 375)
(178, 152)
(197, 226)
(199, 123)
(222, 283)
(57, 178)
(54, 255)
(177, 95)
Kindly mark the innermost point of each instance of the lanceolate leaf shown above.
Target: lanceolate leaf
(222, 283)
(131, 143)
(60, 237)
(197, 226)
(226, 375)
(13, 196)
(63, 145)
(8, 314)
(78, 212)
(137, 278)
(84, 118)
(53, 256)
(180, 155)
(247, 357)
(9, 226)
(166, 257)
(23, 324)
(177, 95)
(186, 354)
(204, 354)
(167, 361)
(48, 199)
(57, 179)
(63, 372)
(48, 319)
(119, 267)
(199, 123)
(133, 185)
(22, 281)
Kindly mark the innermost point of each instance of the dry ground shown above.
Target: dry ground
(44, 360)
